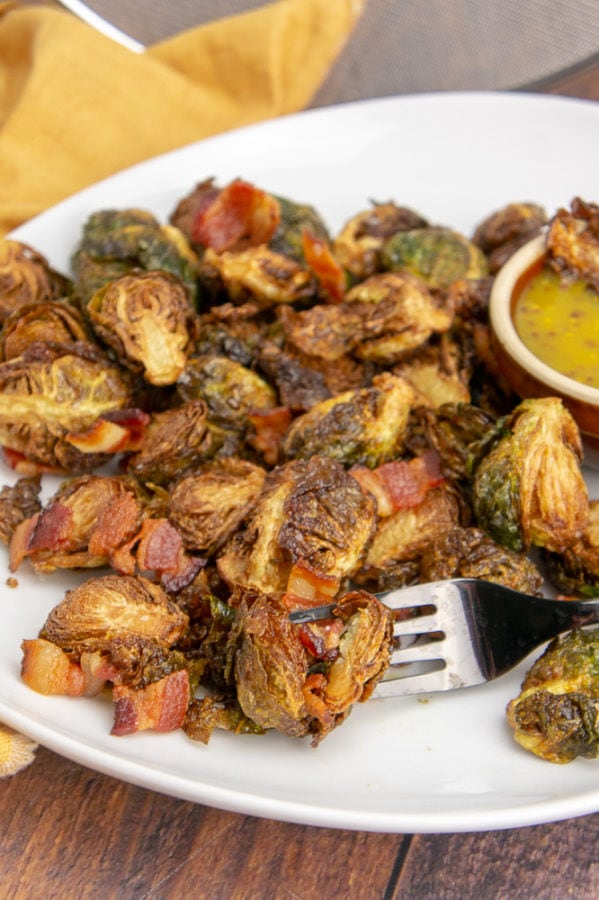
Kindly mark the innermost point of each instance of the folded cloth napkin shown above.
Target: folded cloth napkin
(76, 107)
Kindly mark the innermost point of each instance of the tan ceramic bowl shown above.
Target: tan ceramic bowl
(526, 374)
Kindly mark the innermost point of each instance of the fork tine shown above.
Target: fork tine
(417, 625)
(425, 683)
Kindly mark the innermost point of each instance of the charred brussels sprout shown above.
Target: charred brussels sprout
(501, 233)
(556, 715)
(114, 242)
(366, 426)
(575, 572)
(52, 322)
(439, 256)
(26, 277)
(529, 490)
(51, 392)
(573, 242)
(295, 218)
(229, 389)
(147, 320)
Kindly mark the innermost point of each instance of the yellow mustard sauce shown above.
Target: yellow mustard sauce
(559, 323)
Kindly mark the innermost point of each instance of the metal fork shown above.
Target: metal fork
(460, 633)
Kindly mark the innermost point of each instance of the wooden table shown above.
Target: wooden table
(72, 833)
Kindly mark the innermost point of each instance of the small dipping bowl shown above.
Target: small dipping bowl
(526, 374)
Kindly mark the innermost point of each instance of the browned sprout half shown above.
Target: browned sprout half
(112, 606)
(359, 244)
(257, 274)
(115, 242)
(18, 502)
(556, 715)
(470, 553)
(311, 511)
(575, 571)
(380, 320)
(229, 389)
(366, 426)
(147, 320)
(26, 277)
(394, 554)
(275, 686)
(573, 242)
(51, 391)
(174, 442)
(438, 373)
(439, 256)
(52, 322)
(529, 490)
(209, 505)
(500, 234)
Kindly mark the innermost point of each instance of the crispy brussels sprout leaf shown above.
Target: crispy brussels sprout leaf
(18, 502)
(52, 322)
(229, 389)
(147, 320)
(575, 571)
(26, 277)
(500, 234)
(529, 490)
(573, 242)
(257, 274)
(556, 715)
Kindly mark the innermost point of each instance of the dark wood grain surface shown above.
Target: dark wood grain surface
(68, 832)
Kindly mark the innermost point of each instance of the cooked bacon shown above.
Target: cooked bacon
(114, 433)
(47, 669)
(320, 259)
(400, 484)
(19, 542)
(321, 639)
(23, 466)
(115, 526)
(241, 216)
(308, 587)
(271, 425)
(160, 706)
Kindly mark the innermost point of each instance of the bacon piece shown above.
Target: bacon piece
(52, 529)
(271, 425)
(320, 259)
(23, 466)
(19, 542)
(47, 669)
(241, 216)
(160, 547)
(400, 484)
(115, 525)
(160, 706)
(113, 433)
(308, 587)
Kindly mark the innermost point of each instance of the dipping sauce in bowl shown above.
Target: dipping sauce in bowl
(545, 335)
(560, 324)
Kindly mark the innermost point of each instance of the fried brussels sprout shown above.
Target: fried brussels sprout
(500, 234)
(299, 385)
(575, 571)
(18, 502)
(229, 389)
(51, 392)
(394, 554)
(174, 442)
(311, 511)
(114, 242)
(529, 489)
(112, 606)
(26, 277)
(437, 373)
(275, 685)
(438, 255)
(556, 715)
(470, 553)
(359, 244)
(209, 505)
(147, 320)
(296, 218)
(51, 322)
(573, 242)
(380, 320)
(461, 433)
(366, 426)
(257, 274)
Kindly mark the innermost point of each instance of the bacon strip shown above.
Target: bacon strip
(400, 484)
(242, 215)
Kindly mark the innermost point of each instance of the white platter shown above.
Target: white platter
(444, 763)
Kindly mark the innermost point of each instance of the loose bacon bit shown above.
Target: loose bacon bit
(320, 259)
(115, 526)
(270, 425)
(160, 706)
(312, 690)
(111, 433)
(401, 484)
(308, 587)
(241, 216)
(48, 670)
(160, 547)
(321, 640)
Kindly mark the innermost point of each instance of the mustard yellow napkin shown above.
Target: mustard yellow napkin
(76, 107)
